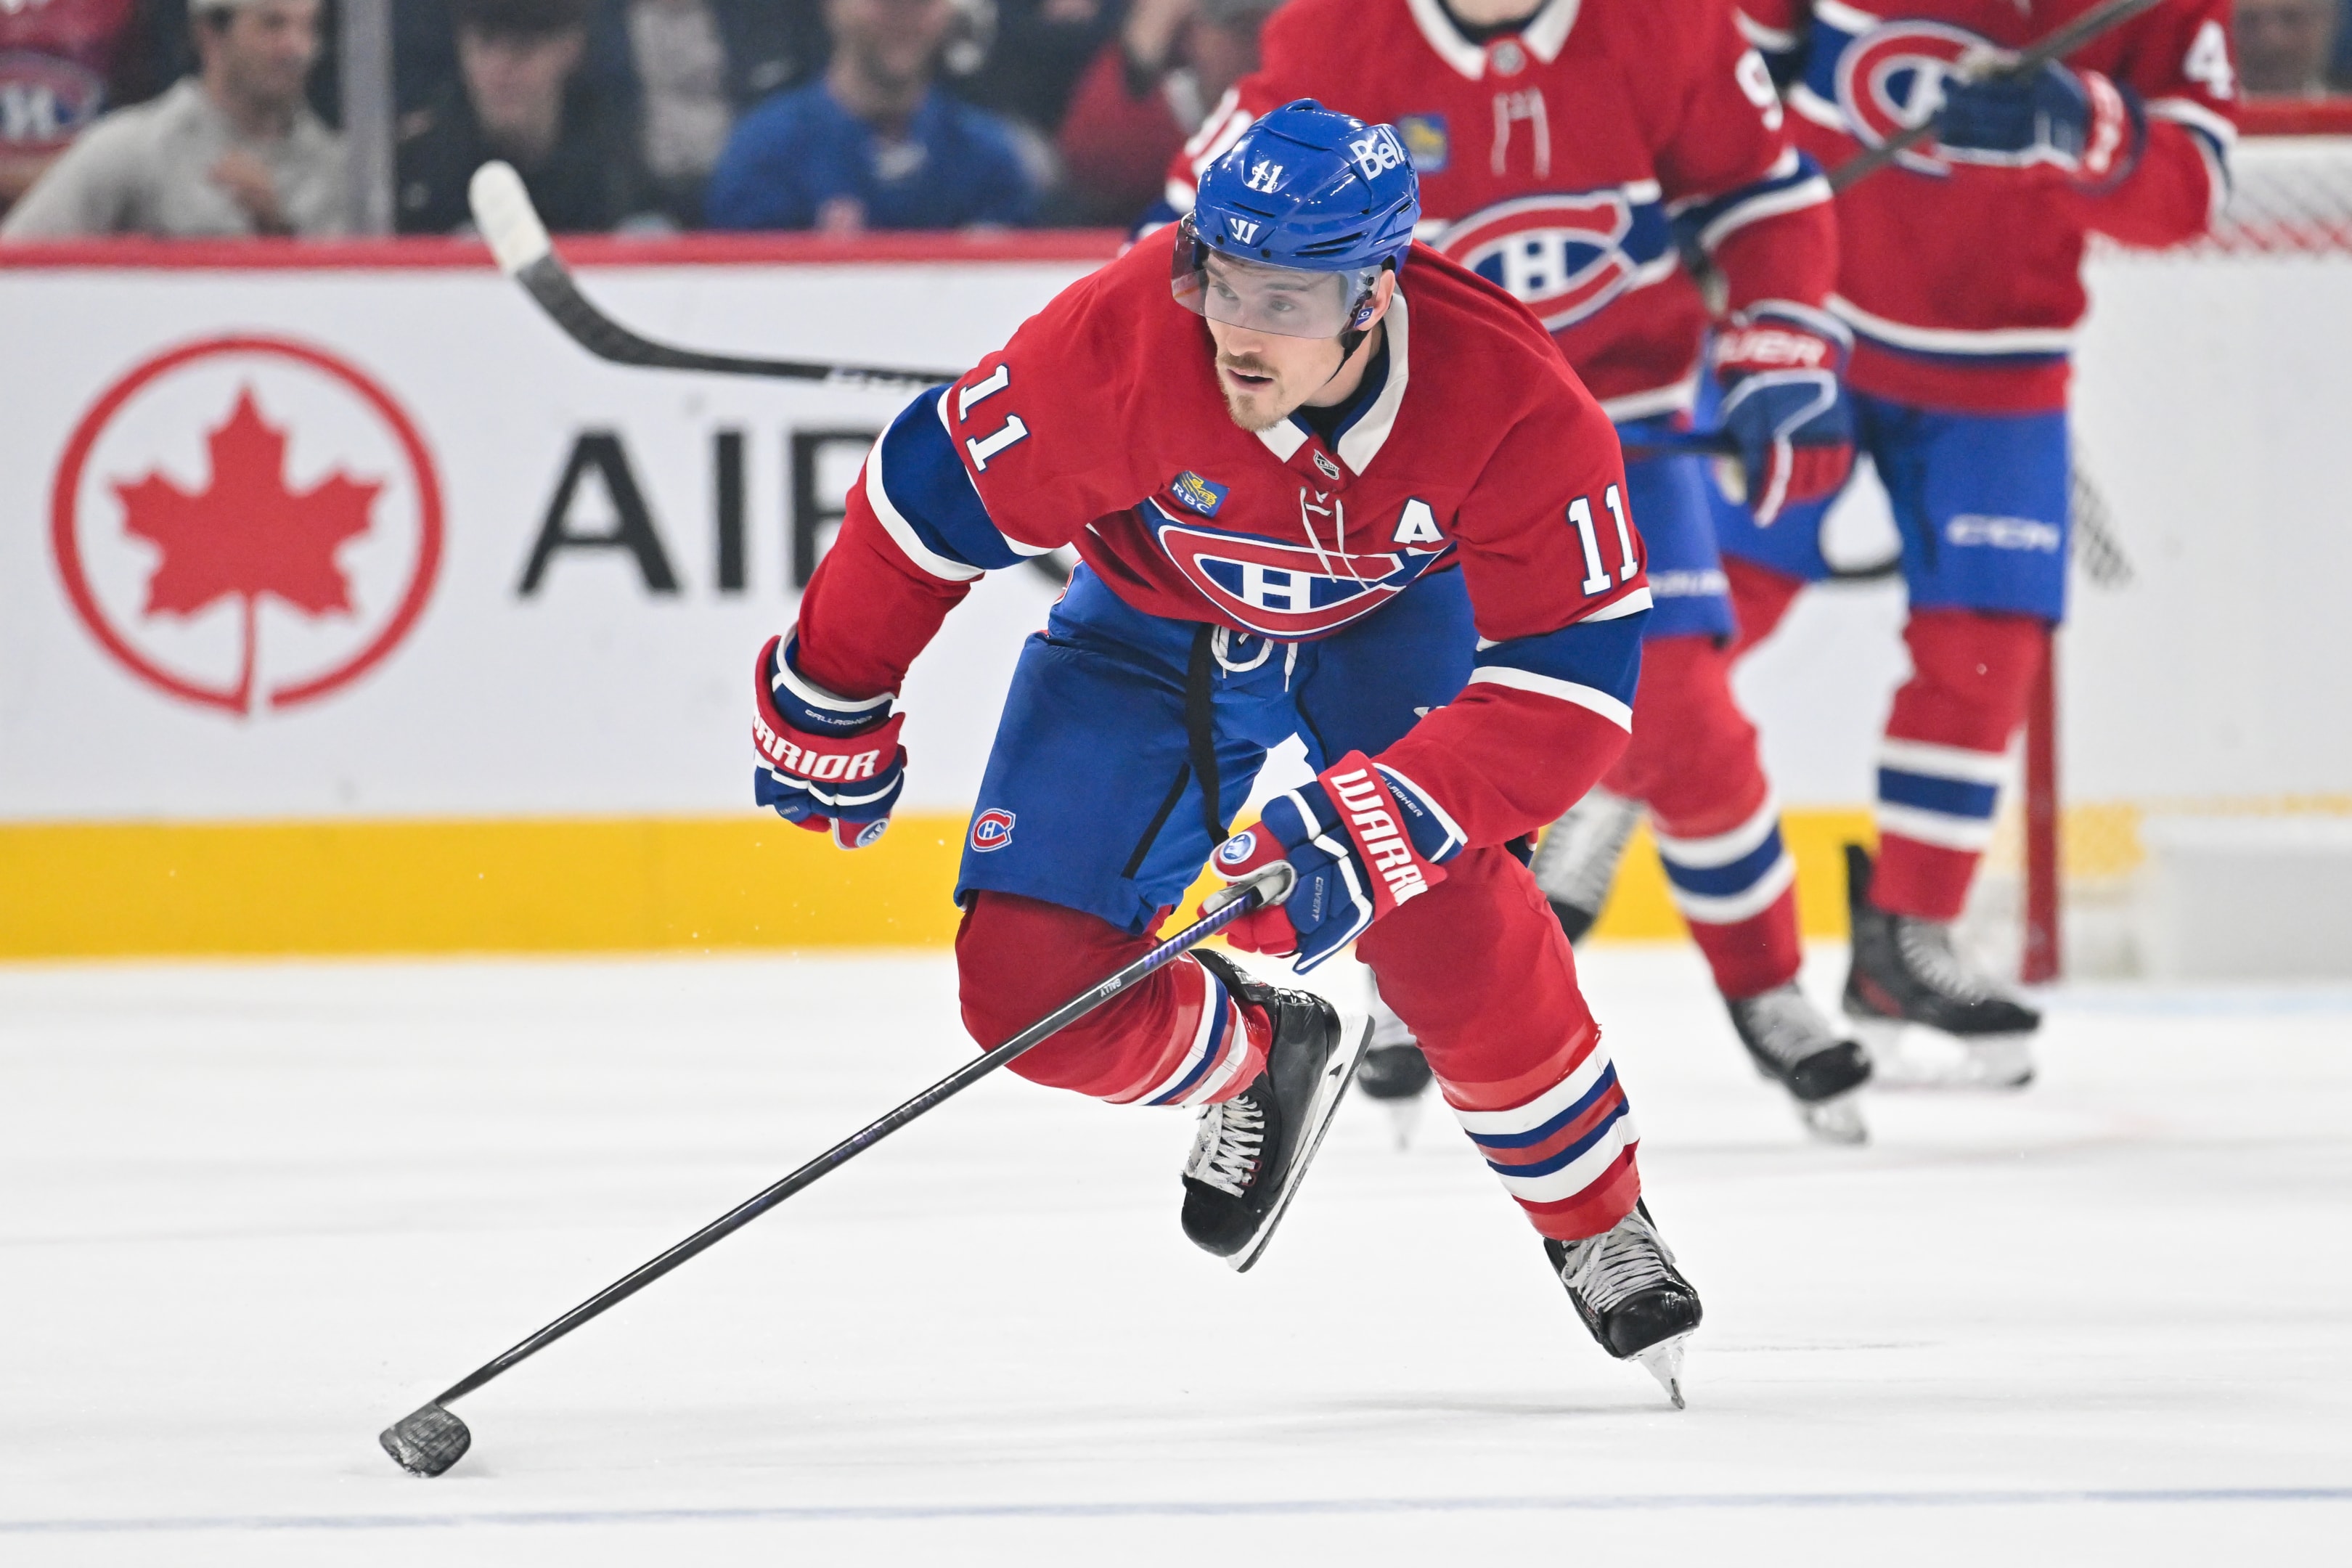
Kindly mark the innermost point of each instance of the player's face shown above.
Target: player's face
(1264, 370)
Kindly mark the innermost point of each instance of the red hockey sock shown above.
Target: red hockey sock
(1760, 598)
(1692, 761)
(1944, 756)
(1478, 969)
(1176, 1038)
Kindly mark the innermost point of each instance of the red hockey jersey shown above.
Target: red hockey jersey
(54, 59)
(1559, 159)
(1963, 284)
(1101, 424)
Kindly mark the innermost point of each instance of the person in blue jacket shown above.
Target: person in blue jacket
(875, 143)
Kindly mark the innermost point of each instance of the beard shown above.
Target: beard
(1262, 410)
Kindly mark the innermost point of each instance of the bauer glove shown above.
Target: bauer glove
(1780, 365)
(2082, 123)
(832, 764)
(1362, 840)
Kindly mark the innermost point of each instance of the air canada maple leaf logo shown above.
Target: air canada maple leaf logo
(247, 523)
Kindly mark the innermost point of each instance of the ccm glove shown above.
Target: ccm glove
(2084, 123)
(832, 764)
(1780, 365)
(1361, 839)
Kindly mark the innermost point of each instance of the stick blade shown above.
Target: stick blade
(426, 1441)
(502, 211)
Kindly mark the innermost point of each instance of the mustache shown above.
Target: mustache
(1246, 366)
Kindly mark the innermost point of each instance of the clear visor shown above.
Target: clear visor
(1284, 300)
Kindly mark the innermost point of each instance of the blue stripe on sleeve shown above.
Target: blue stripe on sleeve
(1603, 655)
(1695, 220)
(926, 480)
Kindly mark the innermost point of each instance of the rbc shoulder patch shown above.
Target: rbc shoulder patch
(1425, 141)
(1203, 496)
(991, 829)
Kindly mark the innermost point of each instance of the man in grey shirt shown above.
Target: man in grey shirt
(232, 150)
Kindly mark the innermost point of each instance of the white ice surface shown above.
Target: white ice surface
(250, 1214)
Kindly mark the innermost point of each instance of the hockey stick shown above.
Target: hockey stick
(430, 1438)
(518, 241)
(2059, 43)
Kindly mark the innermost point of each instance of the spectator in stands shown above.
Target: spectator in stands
(232, 150)
(1023, 58)
(875, 143)
(61, 64)
(2284, 46)
(697, 65)
(521, 95)
(1146, 94)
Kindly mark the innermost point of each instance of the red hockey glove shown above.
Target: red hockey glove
(832, 765)
(1779, 365)
(1361, 839)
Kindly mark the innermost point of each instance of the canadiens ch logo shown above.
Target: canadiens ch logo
(247, 523)
(1892, 78)
(991, 830)
(1563, 256)
(1287, 591)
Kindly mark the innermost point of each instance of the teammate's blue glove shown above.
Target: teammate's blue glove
(1780, 365)
(1362, 840)
(832, 765)
(2082, 122)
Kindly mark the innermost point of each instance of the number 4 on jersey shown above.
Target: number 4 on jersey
(1596, 572)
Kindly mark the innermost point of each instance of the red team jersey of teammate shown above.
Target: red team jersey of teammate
(1101, 424)
(1559, 159)
(1963, 285)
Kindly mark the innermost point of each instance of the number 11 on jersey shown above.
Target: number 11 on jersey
(1596, 572)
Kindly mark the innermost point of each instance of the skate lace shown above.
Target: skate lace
(1926, 949)
(1225, 1152)
(1609, 1267)
(1576, 861)
(1786, 1026)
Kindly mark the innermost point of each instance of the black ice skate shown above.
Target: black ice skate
(1629, 1294)
(1795, 1048)
(1251, 1151)
(1394, 1070)
(1576, 861)
(1905, 972)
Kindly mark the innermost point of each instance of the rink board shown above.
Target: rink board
(486, 694)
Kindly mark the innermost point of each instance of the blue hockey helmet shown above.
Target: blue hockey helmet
(1305, 190)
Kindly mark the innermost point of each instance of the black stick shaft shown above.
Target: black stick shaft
(2059, 43)
(551, 284)
(849, 1148)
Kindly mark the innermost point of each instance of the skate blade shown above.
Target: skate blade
(1837, 1120)
(1663, 1361)
(1338, 1074)
(1914, 1056)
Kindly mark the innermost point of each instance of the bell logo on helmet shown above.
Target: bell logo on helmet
(1376, 152)
(1264, 176)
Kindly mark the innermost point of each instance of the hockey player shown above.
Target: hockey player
(1563, 150)
(1960, 278)
(1362, 501)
